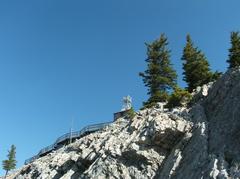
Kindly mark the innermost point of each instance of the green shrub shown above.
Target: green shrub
(130, 113)
(179, 97)
(216, 75)
(153, 101)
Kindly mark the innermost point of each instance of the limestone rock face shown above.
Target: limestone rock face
(198, 142)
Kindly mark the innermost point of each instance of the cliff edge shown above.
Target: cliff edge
(201, 141)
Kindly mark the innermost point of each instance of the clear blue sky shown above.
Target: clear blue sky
(76, 59)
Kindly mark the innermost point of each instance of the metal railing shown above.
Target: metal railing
(31, 159)
(64, 138)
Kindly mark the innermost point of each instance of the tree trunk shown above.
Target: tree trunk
(6, 174)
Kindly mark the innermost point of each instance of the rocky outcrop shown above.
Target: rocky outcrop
(125, 149)
(198, 142)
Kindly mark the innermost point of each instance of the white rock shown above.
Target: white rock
(197, 142)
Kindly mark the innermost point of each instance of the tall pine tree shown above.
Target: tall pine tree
(234, 51)
(159, 77)
(10, 163)
(196, 67)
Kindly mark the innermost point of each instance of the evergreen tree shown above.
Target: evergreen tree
(234, 51)
(196, 67)
(159, 77)
(10, 163)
